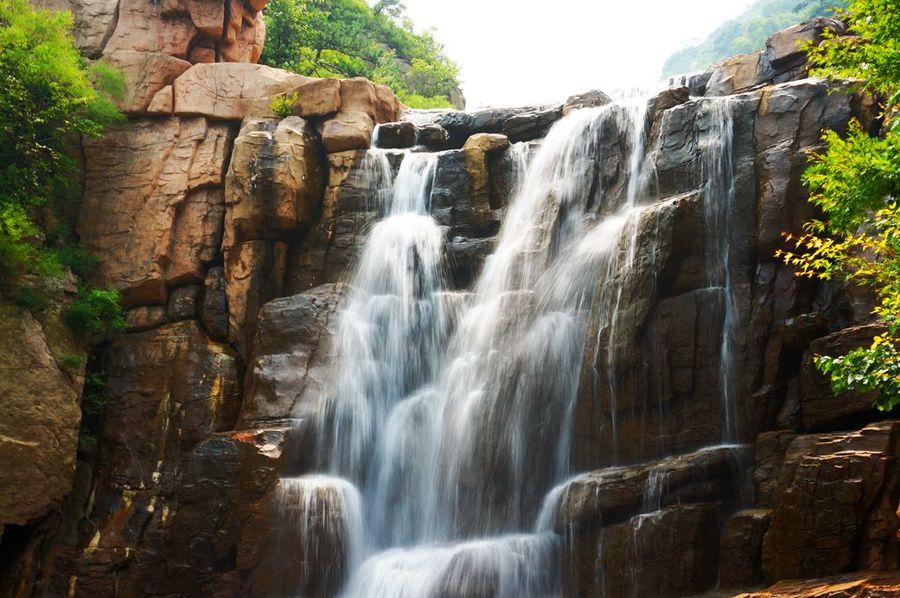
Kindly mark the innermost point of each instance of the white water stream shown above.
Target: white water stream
(446, 443)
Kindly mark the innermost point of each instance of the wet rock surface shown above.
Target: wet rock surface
(231, 233)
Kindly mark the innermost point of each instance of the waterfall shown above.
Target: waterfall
(451, 416)
(717, 164)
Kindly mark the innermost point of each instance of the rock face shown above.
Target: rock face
(856, 585)
(835, 486)
(231, 91)
(231, 234)
(39, 416)
(782, 60)
(153, 204)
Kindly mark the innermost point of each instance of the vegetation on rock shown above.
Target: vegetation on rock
(348, 38)
(856, 183)
(48, 96)
(747, 33)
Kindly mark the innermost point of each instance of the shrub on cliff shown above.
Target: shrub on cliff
(348, 38)
(856, 183)
(48, 96)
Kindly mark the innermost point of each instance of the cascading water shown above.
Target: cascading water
(717, 165)
(452, 411)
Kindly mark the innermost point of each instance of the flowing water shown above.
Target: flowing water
(445, 446)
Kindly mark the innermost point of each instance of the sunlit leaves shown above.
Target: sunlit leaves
(856, 183)
(347, 38)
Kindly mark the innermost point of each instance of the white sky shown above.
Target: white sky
(519, 52)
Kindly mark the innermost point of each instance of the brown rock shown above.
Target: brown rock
(290, 367)
(347, 131)
(396, 135)
(318, 97)
(39, 420)
(184, 302)
(163, 101)
(330, 246)
(254, 275)
(142, 27)
(214, 314)
(376, 101)
(588, 99)
(174, 384)
(821, 408)
(615, 494)
(862, 584)
(835, 507)
(488, 143)
(734, 75)
(771, 448)
(138, 204)
(197, 236)
(231, 91)
(194, 30)
(432, 135)
(209, 16)
(741, 548)
(145, 74)
(669, 553)
(275, 183)
(145, 318)
(95, 21)
(784, 50)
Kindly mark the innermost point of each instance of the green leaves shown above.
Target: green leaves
(47, 97)
(871, 54)
(95, 313)
(866, 370)
(347, 38)
(856, 183)
(854, 176)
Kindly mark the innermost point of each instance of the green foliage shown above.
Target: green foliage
(31, 298)
(47, 94)
(871, 54)
(347, 38)
(856, 183)
(72, 362)
(425, 103)
(853, 178)
(865, 370)
(95, 313)
(87, 443)
(94, 398)
(283, 105)
(747, 33)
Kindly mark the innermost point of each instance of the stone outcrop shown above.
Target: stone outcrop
(231, 91)
(782, 60)
(274, 183)
(289, 370)
(835, 505)
(39, 414)
(230, 234)
(153, 204)
(854, 585)
(194, 30)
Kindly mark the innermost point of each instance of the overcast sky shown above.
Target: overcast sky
(529, 51)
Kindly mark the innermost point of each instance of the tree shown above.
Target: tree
(47, 95)
(856, 183)
(347, 38)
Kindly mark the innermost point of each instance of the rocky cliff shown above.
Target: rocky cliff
(231, 234)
